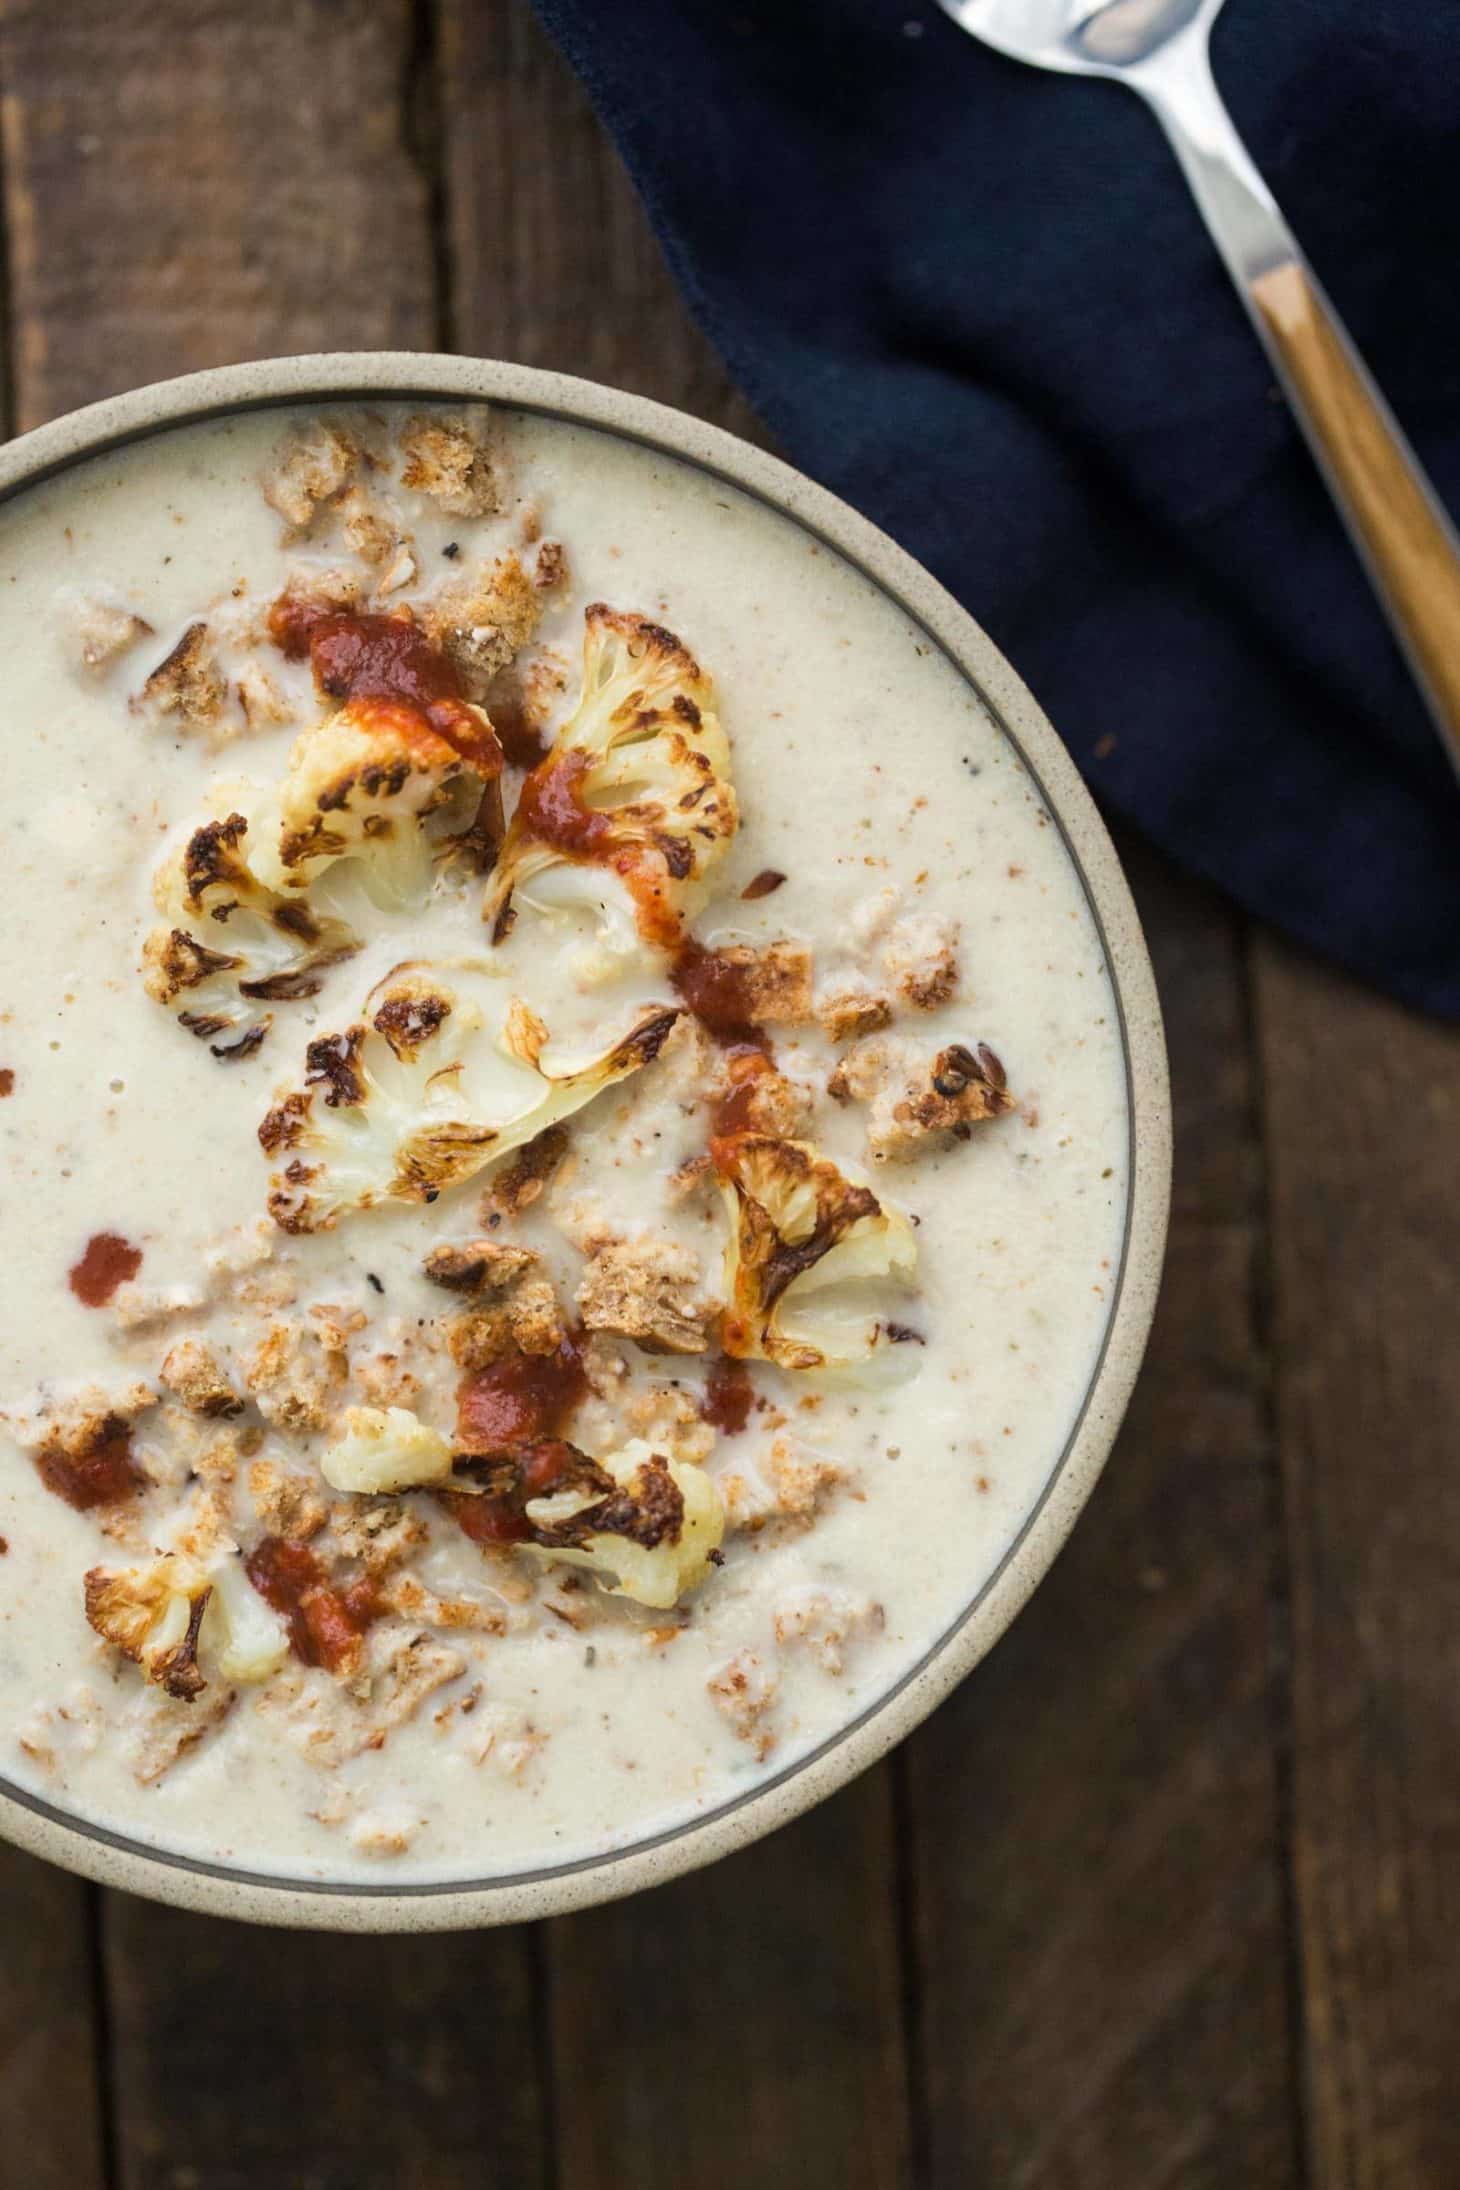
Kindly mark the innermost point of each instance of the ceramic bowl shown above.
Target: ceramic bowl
(115, 1860)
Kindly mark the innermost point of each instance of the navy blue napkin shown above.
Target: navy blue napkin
(977, 302)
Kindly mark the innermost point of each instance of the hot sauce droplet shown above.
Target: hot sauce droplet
(109, 1261)
(728, 1396)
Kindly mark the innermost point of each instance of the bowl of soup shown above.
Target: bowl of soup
(586, 1143)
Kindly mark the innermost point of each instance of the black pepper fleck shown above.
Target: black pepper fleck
(372, 1279)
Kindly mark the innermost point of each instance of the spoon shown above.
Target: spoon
(1394, 517)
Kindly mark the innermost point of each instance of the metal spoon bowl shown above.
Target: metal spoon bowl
(1394, 517)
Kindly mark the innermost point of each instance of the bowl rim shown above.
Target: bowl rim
(109, 1858)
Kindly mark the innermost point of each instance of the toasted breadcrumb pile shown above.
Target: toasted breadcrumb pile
(482, 620)
(102, 631)
(745, 1690)
(512, 1309)
(193, 1373)
(449, 459)
(188, 691)
(313, 466)
(287, 1503)
(794, 1484)
(265, 703)
(827, 1623)
(913, 1097)
(296, 1376)
(646, 1290)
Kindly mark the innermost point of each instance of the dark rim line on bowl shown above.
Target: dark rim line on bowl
(510, 1881)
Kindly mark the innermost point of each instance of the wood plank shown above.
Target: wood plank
(49, 1999)
(553, 261)
(1097, 1871)
(752, 2012)
(742, 2024)
(189, 182)
(49, 2099)
(249, 2058)
(1363, 1109)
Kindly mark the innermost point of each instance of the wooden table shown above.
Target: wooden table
(1169, 1894)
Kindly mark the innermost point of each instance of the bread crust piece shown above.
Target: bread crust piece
(645, 1290)
(745, 1691)
(913, 1099)
(296, 1375)
(311, 467)
(482, 620)
(449, 459)
(187, 690)
(193, 1373)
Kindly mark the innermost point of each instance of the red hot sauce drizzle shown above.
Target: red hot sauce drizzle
(553, 809)
(521, 739)
(387, 661)
(516, 1408)
(326, 1625)
(728, 1395)
(102, 1473)
(719, 992)
(109, 1261)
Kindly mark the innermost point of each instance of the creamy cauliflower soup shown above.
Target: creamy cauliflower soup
(564, 1135)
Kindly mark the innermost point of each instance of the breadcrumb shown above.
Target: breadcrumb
(913, 1098)
(746, 1693)
(645, 1290)
(315, 464)
(192, 1372)
(295, 1376)
(826, 1622)
(102, 632)
(187, 690)
(449, 458)
(482, 620)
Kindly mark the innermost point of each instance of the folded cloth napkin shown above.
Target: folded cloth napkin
(976, 300)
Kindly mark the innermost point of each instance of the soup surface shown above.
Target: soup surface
(564, 1143)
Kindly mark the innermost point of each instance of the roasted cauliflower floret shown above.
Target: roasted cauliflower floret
(633, 807)
(243, 1639)
(805, 1244)
(153, 1615)
(421, 1095)
(384, 1449)
(231, 946)
(376, 784)
(649, 1526)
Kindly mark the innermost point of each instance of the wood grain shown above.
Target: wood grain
(1095, 1820)
(553, 261)
(248, 2058)
(742, 2025)
(1374, 475)
(51, 2130)
(193, 182)
(1363, 1115)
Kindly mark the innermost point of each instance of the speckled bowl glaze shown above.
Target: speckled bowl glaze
(112, 1858)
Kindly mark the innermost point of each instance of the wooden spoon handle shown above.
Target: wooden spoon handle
(1391, 510)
